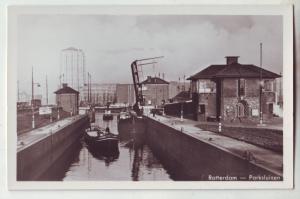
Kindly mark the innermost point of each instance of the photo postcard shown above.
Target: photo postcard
(150, 97)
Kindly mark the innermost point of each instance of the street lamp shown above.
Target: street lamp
(261, 84)
(58, 115)
(32, 99)
(181, 112)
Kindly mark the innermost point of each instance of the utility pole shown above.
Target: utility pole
(18, 92)
(32, 99)
(90, 88)
(260, 89)
(184, 82)
(77, 60)
(46, 90)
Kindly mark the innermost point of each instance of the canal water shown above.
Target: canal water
(134, 162)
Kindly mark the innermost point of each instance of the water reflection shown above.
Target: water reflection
(58, 170)
(134, 161)
(106, 156)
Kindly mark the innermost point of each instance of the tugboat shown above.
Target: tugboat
(124, 115)
(107, 115)
(100, 139)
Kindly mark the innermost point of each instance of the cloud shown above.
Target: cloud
(111, 43)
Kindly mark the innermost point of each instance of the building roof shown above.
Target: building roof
(234, 70)
(182, 96)
(70, 48)
(154, 80)
(66, 89)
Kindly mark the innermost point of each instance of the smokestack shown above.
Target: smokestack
(232, 60)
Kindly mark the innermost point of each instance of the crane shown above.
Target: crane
(137, 84)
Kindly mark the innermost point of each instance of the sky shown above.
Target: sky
(188, 43)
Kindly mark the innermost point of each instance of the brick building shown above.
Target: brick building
(232, 91)
(125, 94)
(100, 94)
(67, 98)
(155, 91)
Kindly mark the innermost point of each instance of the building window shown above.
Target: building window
(194, 86)
(206, 86)
(202, 108)
(241, 85)
(268, 85)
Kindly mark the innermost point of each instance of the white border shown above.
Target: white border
(284, 10)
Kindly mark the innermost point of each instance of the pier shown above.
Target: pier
(200, 154)
(182, 149)
(40, 148)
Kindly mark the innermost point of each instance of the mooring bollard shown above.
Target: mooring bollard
(220, 125)
(181, 116)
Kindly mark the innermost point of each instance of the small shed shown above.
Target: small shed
(67, 99)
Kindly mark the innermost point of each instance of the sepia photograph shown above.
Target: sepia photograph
(125, 95)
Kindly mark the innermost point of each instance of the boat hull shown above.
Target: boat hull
(106, 144)
(108, 117)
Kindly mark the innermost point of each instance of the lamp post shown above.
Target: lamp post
(32, 99)
(181, 112)
(260, 89)
(260, 103)
(58, 115)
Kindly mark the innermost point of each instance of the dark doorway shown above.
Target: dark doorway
(270, 106)
(202, 109)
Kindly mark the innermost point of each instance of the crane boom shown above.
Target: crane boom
(137, 84)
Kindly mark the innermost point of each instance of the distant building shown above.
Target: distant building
(72, 68)
(155, 91)
(67, 98)
(125, 94)
(100, 94)
(24, 97)
(36, 102)
(177, 87)
(22, 105)
(232, 91)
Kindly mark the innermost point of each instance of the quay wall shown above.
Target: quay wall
(189, 158)
(34, 160)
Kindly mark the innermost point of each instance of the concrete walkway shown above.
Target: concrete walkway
(27, 139)
(261, 157)
(278, 127)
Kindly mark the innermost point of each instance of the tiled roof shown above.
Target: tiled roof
(234, 70)
(66, 90)
(183, 95)
(154, 80)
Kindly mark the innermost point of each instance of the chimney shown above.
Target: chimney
(64, 85)
(148, 78)
(231, 59)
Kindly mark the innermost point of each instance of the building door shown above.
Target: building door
(201, 112)
(270, 107)
(202, 109)
(240, 110)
